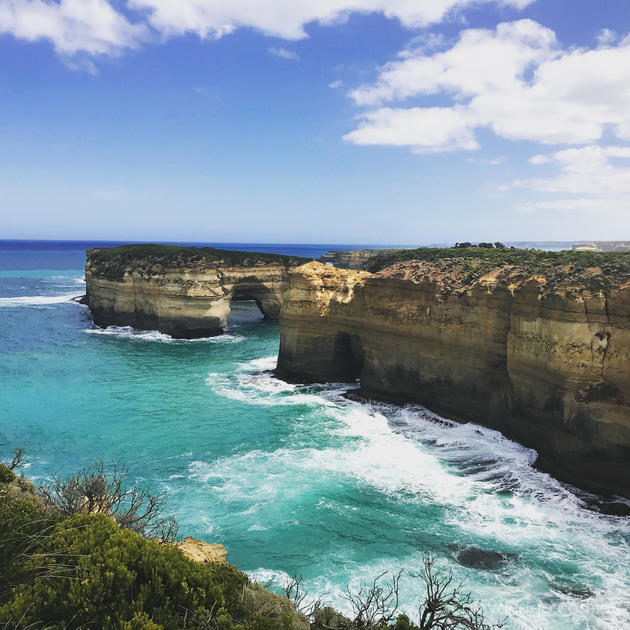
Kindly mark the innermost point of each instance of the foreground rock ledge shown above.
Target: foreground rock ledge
(184, 292)
(544, 358)
(201, 551)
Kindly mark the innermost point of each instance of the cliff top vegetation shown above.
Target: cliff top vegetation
(475, 262)
(177, 255)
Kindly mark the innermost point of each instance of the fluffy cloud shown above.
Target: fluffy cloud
(95, 27)
(424, 129)
(481, 62)
(515, 80)
(73, 26)
(287, 18)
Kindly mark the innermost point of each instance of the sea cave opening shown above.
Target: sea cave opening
(244, 310)
(251, 302)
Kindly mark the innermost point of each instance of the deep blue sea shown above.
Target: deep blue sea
(294, 478)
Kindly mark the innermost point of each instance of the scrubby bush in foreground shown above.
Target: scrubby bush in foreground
(84, 571)
(98, 491)
(67, 564)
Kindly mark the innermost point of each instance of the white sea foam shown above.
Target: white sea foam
(270, 578)
(154, 335)
(254, 383)
(36, 300)
(266, 363)
(486, 485)
(65, 280)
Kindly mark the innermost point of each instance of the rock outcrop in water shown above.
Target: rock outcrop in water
(543, 356)
(184, 292)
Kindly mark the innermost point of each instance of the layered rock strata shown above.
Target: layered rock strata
(179, 291)
(545, 358)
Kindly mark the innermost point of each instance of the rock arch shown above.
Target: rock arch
(184, 299)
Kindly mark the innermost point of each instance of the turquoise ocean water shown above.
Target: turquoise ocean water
(294, 478)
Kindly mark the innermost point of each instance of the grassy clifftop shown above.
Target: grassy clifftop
(115, 259)
(475, 262)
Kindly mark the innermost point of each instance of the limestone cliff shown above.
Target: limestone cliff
(184, 292)
(542, 356)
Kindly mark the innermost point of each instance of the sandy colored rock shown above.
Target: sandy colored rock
(201, 551)
(182, 297)
(543, 358)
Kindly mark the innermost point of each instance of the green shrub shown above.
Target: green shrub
(404, 623)
(23, 525)
(89, 573)
(6, 474)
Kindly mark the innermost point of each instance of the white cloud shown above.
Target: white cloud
(422, 129)
(287, 18)
(481, 62)
(334, 85)
(73, 26)
(283, 53)
(540, 159)
(517, 81)
(100, 27)
(488, 161)
(606, 37)
(597, 176)
(586, 170)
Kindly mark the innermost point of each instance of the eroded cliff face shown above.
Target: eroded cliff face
(543, 358)
(183, 296)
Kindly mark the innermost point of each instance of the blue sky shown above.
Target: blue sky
(354, 121)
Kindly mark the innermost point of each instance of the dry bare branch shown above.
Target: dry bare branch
(446, 606)
(97, 491)
(375, 605)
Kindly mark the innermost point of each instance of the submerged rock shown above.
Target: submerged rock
(578, 591)
(476, 558)
(615, 508)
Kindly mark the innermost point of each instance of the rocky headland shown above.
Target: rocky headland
(184, 292)
(535, 344)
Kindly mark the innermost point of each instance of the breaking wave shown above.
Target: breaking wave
(127, 332)
(37, 301)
